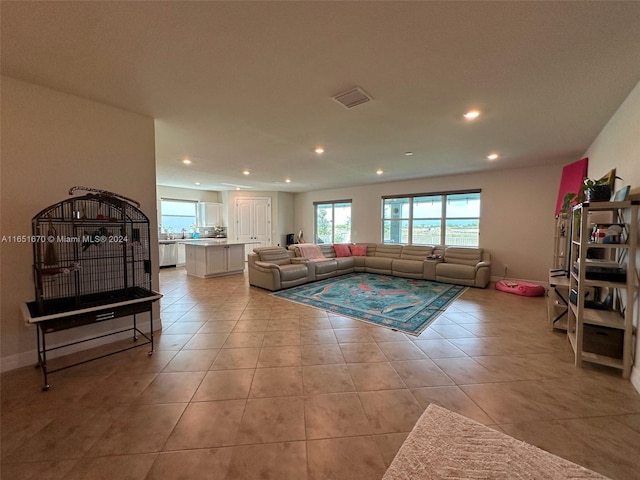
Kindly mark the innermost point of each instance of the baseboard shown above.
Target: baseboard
(635, 378)
(30, 357)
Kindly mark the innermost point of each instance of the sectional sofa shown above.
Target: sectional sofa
(275, 268)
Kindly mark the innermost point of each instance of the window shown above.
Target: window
(451, 218)
(177, 215)
(333, 221)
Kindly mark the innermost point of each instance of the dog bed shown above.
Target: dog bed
(518, 287)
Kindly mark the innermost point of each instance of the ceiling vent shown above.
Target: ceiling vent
(352, 97)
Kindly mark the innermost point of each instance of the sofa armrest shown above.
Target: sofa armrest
(266, 266)
(482, 264)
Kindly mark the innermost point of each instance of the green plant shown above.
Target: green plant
(580, 196)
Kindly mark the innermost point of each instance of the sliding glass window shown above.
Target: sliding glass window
(450, 218)
(177, 215)
(333, 221)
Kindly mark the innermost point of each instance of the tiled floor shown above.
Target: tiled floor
(244, 385)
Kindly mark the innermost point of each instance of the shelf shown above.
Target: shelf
(594, 357)
(599, 283)
(603, 318)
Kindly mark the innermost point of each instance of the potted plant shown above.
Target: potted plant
(599, 190)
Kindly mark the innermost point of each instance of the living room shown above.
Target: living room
(55, 136)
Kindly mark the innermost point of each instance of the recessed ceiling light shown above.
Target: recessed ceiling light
(186, 161)
(288, 180)
(319, 150)
(197, 183)
(246, 172)
(493, 156)
(379, 171)
(408, 154)
(237, 188)
(471, 115)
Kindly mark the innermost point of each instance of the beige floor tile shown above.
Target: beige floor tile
(401, 351)
(339, 322)
(326, 379)
(275, 460)
(54, 470)
(70, 435)
(284, 324)
(139, 429)
(362, 353)
(251, 325)
(281, 338)
(465, 371)
(206, 463)
(206, 425)
(224, 385)
(421, 373)
(391, 411)
(230, 358)
(375, 376)
(116, 390)
(268, 420)
(183, 327)
(167, 341)
(313, 337)
(314, 323)
(192, 361)
(381, 334)
(129, 467)
(221, 326)
(389, 444)
(452, 398)
(439, 348)
(287, 356)
(321, 354)
(353, 335)
(244, 340)
(207, 341)
(353, 458)
(175, 387)
(277, 382)
(335, 415)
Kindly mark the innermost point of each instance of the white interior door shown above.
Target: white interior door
(253, 222)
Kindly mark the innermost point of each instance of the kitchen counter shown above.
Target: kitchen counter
(214, 257)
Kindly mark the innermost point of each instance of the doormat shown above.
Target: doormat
(404, 304)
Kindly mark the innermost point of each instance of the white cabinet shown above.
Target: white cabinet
(602, 285)
(182, 256)
(211, 260)
(210, 214)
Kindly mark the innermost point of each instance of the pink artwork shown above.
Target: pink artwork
(572, 177)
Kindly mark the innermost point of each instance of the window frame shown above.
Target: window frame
(333, 204)
(178, 200)
(442, 219)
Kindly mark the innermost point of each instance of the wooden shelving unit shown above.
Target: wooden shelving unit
(603, 336)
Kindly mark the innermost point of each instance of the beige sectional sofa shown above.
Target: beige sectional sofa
(275, 268)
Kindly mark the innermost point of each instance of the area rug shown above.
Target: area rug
(446, 445)
(402, 304)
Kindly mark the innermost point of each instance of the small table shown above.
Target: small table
(558, 299)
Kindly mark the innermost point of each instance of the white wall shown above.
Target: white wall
(516, 219)
(187, 194)
(51, 141)
(618, 146)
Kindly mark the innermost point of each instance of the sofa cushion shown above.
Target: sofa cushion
(358, 250)
(453, 270)
(277, 255)
(416, 252)
(293, 272)
(342, 250)
(388, 251)
(463, 256)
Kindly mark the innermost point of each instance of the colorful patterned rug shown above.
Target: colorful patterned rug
(402, 304)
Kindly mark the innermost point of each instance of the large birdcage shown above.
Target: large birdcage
(88, 251)
(91, 263)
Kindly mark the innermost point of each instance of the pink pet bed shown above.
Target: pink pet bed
(519, 287)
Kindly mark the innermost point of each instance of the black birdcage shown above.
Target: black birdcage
(91, 263)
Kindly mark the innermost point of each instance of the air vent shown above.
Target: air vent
(351, 98)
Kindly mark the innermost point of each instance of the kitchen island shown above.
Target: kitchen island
(214, 258)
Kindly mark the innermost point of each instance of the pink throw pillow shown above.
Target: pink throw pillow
(359, 250)
(342, 250)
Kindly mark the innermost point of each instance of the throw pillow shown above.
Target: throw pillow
(359, 250)
(342, 250)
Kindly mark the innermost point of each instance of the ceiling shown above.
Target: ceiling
(248, 85)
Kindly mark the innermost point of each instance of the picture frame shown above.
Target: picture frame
(622, 194)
